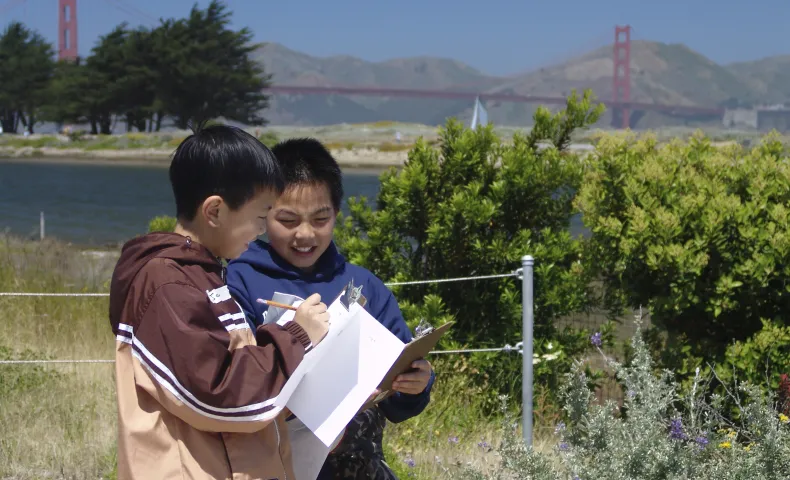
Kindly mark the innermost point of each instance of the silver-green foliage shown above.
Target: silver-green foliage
(657, 434)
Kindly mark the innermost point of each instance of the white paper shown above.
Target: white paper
(338, 375)
(339, 319)
(353, 361)
(308, 453)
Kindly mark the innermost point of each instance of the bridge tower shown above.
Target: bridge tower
(67, 29)
(621, 81)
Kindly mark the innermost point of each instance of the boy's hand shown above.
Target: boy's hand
(414, 383)
(313, 318)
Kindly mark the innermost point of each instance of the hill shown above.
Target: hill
(660, 73)
(769, 78)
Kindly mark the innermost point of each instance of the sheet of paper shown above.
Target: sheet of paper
(339, 320)
(354, 362)
(308, 453)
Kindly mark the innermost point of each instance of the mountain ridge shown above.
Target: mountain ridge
(660, 73)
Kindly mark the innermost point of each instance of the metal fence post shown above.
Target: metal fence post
(527, 305)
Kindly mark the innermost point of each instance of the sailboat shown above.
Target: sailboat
(480, 115)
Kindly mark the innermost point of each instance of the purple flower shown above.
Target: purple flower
(559, 428)
(676, 430)
(631, 394)
(453, 440)
(410, 462)
(563, 447)
(483, 444)
(702, 441)
(596, 340)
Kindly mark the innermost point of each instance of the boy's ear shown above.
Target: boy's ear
(211, 210)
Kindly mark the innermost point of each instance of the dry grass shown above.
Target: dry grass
(57, 421)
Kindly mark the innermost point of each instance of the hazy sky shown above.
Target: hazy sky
(496, 36)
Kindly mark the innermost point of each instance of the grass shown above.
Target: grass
(57, 422)
(93, 143)
(60, 421)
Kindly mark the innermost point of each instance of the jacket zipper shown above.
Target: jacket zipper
(279, 453)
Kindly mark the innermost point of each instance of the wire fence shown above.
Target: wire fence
(518, 348)
(608, 390)
(515, 273)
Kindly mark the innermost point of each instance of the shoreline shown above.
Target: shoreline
(362, 159)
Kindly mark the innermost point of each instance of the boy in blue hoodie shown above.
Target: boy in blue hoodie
(301, 259)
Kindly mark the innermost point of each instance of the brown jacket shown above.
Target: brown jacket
(196, 386)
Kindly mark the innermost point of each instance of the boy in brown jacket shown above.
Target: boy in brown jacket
(196, 386)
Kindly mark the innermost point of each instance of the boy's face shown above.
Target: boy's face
(238, 228)
(301, 223)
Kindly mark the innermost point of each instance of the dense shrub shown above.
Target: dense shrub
(162, 223)
(268, 138)
(762, 359)
(699, 234)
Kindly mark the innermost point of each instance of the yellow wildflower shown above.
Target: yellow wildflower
(725, 445)
(784, 418)
(731, 435)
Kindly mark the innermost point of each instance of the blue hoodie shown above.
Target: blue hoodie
(260, 272)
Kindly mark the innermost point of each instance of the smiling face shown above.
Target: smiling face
(301, 224)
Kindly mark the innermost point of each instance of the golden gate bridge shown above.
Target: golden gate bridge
(621, 104)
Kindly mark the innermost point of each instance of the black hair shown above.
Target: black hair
(221, 160)
(306, 161)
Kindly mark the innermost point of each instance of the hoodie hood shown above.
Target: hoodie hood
(137, 252)
(262, 257)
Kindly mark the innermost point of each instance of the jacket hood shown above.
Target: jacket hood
(137, 252)
(262, 257)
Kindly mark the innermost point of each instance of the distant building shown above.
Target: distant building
(763, 118)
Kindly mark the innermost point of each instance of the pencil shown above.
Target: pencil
(272, 303)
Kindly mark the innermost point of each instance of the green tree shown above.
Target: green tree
(145, 108)
(699, 234)
(108, 69)
(207, 69)
(69, 94)
(97, 90)
(475, 206)
(26, 68)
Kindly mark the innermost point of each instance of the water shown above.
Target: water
(92, 204)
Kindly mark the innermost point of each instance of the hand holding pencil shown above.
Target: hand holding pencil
(311, 315)
(272, 303)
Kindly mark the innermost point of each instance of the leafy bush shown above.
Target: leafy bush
(162, 223)
(268, 138)
(700, 234)
(648, 438)
(475, 206)
(759, 360)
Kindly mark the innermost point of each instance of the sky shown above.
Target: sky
(499, 37)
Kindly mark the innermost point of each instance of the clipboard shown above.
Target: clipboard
(414, 350)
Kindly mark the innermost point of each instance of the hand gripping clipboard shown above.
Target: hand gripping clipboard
(414, 350)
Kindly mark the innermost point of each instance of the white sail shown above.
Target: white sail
(480, 115)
